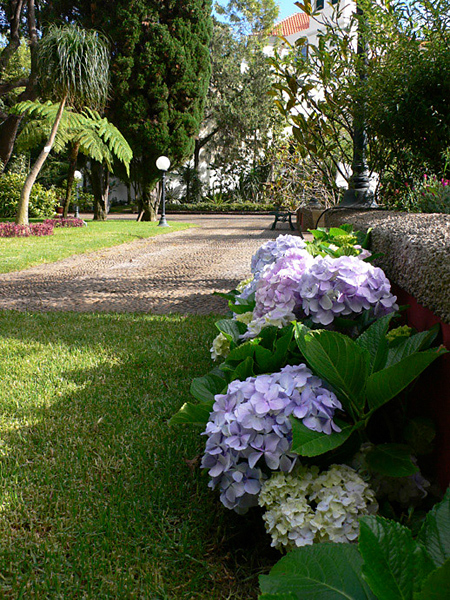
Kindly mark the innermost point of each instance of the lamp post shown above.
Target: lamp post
(78, 176)
(358, 194)
(163, 164)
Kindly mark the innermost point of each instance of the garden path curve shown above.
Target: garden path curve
(176, 272)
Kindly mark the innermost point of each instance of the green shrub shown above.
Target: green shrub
(224, 207)
(42, 201)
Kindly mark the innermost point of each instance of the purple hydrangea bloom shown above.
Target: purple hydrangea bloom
(273, 250)
(334, 287)
(267, 254)
(249, 431)
(277, 290)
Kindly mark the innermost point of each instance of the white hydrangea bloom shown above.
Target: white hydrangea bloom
(220, 347)
(246, 317)
(305, 507)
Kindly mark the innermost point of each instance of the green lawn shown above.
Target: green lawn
(98, 499)
(20, 253)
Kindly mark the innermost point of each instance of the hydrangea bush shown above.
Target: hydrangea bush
(292, 386)
(249, 432)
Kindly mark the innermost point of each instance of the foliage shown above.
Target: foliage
(294, 180)
(74, 69)
(98, 138)
(214, 204)
(427, 195)
(407, 86)
(389, 564)
(8, 230)
(73, 63)
(313, 95)
(249, 17)
(42, 201)
(339, 241)
(239, 116)
(400, 86)
(61, 222)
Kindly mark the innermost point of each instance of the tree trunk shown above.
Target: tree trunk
(149, 203)
(100, 189)
(22, 209)
(8, 129)
(74, 148)
(8, 134)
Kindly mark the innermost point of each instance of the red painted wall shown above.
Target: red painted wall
(432, 392)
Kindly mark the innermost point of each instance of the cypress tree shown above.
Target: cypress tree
(160, 69)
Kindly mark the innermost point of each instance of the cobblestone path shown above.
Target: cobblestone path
(176, 272)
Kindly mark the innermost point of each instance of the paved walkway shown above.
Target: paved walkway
(176, 272)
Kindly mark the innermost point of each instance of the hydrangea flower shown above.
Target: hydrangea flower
(308, 507)
(277, 289)
(249, 432)
(220, 346)
(267, 254)
(342, 286)
(323, 288)
(273, 250)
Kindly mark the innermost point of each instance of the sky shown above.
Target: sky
(287, 8)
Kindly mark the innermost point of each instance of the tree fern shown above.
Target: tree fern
(99, 139)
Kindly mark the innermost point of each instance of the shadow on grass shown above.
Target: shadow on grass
(100, 498)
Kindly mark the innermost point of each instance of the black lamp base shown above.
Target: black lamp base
(362, 198)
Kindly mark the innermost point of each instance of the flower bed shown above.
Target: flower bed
(65, 222)
(315, 362)
(38, 229)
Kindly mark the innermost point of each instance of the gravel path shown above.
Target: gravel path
(176, 272)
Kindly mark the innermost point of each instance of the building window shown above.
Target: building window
(319, 4)
(304, 51)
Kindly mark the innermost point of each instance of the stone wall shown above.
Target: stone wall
(414, 248)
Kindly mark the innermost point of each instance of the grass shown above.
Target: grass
(17, 254)
(99, 497)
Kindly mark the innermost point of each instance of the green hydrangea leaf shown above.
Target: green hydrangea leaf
(386, 384)
(392, 460)
(437, 585)
(435, 531)
(231, 329)
(410, 345)
(206, 387)
(312, 443)
(193, 414)
(339, 360)
(374, 341)
(322, 571)
(387, 549)
(243, 370)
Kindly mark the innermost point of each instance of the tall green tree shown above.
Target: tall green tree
(73, 66)
(239, 116)
(249, 17)
(18, 26)
(159, 77)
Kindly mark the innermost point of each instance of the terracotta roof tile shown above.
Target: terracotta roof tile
(291, 25)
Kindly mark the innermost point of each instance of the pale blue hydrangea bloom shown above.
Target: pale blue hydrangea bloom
(249, 432)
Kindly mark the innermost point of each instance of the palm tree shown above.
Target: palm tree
(86, 132)
(73, 66)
